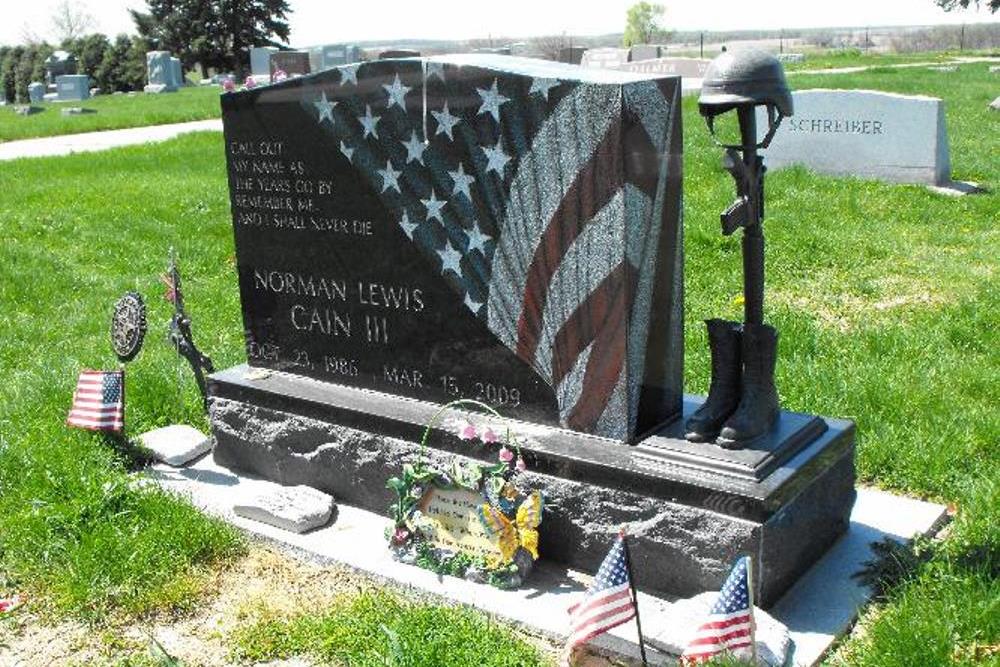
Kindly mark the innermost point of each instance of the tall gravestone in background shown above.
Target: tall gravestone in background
(159, 72)
(260, 60)
(292, 63)
(412, 231)
(176, 72)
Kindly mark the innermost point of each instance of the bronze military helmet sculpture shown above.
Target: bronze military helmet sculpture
(746, 77)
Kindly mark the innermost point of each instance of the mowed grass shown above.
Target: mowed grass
(382, 628)
(885, 295)
(853, 57)
(113, 112)
(77, 233)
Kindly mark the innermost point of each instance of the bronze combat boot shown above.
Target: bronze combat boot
(758, 408)
(724, 341)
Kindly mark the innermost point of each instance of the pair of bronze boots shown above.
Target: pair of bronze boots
(742, 401)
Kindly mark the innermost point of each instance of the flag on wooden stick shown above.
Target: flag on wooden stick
(730, 622)
(608, 602)
(99, 401)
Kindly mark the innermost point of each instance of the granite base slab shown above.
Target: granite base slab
(691, 509)
(820, 607)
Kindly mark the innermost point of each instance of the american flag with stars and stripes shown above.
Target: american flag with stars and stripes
(608, 602)
(730, 623)
(99, 401)
(541, 198)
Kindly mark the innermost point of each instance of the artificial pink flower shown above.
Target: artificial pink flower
(279, 75)
(400, 535)
(489, 436)
(8, 604)
(228, 85)
(467, 432)
(521, 465)
(250, 83)
(506, 455)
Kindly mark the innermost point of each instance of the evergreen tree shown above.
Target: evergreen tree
(213, 33)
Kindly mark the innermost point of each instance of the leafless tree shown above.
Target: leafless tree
(549, 46)
(29, 36)
(71, 20)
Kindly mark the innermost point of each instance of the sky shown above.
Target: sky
(316, 22)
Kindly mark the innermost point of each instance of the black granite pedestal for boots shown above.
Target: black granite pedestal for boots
(691, 508)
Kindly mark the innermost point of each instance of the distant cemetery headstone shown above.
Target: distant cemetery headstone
(791, 57)
(292, 63)
(159, 72)
(447, 290)
(572, 55)
(58, 64)
(644, 52)
(604, 58)
(334, 55)
(865, 133)
(26, 110)
(995, 104)
(260, 60)
(398, 53)
(685, 67)
(36, 92)
(176, 72)
(73, 87)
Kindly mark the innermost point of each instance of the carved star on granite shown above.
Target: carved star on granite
(477, 239)
(397, 93)
(390, 177)
(349, 74)
(324, 108)
(415, 148)
(369, 122)
(543, 86)
(450, 258)
(462, 180)
(434, 206)
(446, 121)
(492, 99)
(496, 159)
(408, 227)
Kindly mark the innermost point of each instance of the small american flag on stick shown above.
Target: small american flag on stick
(608, 602)
(730, 623)
(99, 401)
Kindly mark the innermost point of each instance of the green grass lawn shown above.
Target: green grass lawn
(857, 58)
(113, 112)
(886, 297)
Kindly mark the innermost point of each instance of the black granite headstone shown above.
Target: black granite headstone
(292, 63)
(481, 227)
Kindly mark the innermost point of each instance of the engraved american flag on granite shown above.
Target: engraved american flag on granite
(539, 200)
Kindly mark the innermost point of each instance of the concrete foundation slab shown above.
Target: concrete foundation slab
(819, 607)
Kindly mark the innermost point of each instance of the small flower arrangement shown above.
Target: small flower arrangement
(508, 514)
(228, 85)
(279, 75)
(249, 83)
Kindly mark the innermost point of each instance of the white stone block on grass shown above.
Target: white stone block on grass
(292, 508)
(177, 444)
